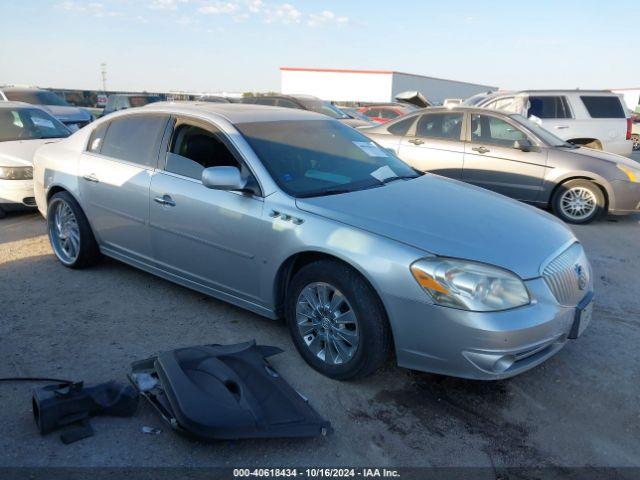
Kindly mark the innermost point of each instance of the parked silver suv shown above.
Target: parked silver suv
(592, 118)
(513, 156)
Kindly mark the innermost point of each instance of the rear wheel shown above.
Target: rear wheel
(578, 201)
(69, 232)
(337, 321)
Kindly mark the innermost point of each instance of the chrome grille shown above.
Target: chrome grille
(568, 276)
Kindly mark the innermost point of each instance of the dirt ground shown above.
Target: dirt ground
(578, 409)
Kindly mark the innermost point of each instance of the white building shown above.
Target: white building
(371, 85)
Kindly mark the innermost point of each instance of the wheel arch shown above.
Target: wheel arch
(604, 186)
(294, 262)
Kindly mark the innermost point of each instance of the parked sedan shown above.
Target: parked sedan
(23, 129)
(291, 214)
(513, 156)
(73, 117)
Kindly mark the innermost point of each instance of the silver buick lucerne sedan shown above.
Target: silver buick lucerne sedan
(292, 214)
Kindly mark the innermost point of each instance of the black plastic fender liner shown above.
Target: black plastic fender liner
(224, 392)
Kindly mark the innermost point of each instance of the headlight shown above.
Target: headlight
(632, 173)
(16, 173)
(469, 285)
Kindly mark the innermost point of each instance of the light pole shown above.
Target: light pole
(103, 70)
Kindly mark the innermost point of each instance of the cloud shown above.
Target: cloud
(94, 9)
(285, 13)
(325, 17)
(218, 8)
(165, 4)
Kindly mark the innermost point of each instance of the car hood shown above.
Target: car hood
(19, 153)
(601, 155)
(67, 113)
(449, 218)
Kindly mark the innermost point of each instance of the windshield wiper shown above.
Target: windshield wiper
(400, 177)
(324, 193)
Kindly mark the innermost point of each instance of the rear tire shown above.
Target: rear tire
(578, 201)
(337, 321)
(70, 234)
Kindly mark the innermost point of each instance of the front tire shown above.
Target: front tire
(578, 201)
(69, 231)
(336, 321)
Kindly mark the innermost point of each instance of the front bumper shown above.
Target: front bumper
(16, 193)
(479, 345)
(626, 197)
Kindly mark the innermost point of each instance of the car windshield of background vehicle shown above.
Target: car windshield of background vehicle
(29, 124)
(142, 101)
(325, 108)
(37, 97)
(320, 157)
(545, 135)
(603, 107)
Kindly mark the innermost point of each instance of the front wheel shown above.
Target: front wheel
(336, 321)
(578, 201)
(69, 232)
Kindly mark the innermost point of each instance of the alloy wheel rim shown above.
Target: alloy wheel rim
(578, 203)
(327, 323)
(64, 233)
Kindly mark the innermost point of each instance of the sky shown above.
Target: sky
(239, 45)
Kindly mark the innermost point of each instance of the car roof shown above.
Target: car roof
(12, 104)
(23, 89)
(550, 91)
(235, 112)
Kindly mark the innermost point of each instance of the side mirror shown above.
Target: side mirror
(223, 178)
(525, 145)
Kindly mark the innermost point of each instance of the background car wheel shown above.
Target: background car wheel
(337, 321)
(69, 232)
(578, 201)
(636, 141)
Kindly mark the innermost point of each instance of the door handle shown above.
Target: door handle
(480, 149)
(91, 178)
(165, 200)
(560, 127)
(416, 141)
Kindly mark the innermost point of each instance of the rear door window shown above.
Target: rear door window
(549, 107)
(603, 107)
(134, 138)
(401, 127)
(442, 125)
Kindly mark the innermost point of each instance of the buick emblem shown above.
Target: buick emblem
(581, 274)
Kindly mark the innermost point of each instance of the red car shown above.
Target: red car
(384, 113)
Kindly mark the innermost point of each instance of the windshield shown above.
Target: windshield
(545, 135)
(36, 97)
(320, 157)
(326, 108)
(476, 99)
(29, 124)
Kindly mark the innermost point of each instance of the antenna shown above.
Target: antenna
(103, 71)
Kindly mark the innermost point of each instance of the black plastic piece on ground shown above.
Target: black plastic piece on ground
(59, 405)
(224, 392)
